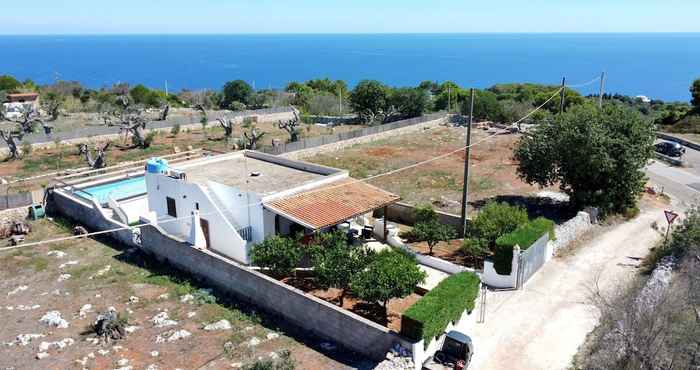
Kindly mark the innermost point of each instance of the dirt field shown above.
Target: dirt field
(493, 171)
(83, 278)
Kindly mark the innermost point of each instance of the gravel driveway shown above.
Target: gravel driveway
(542, 326)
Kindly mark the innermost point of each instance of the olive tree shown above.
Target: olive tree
(236, 91)
(595, 156)
(371, 101)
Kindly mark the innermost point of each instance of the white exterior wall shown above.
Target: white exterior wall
(245, 207)
(269, 222)
(491, 278)
(223, 238)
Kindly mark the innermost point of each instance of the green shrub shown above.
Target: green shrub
(278, 254)
(631, 212)
(429, 317)
(425, 213)
(474, 247)
(495, 220)
(247, 122)
(524, 236)
(175, 130)
(148, 140)
(26, 148)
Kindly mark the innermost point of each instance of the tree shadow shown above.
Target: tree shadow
(372, 311)
(557, 211)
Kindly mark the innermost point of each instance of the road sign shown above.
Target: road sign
(670, 216)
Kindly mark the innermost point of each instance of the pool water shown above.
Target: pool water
(119, 190)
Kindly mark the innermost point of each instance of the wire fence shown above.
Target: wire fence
(313, 142)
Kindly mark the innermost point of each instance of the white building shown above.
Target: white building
(16, 104)
(228, 203)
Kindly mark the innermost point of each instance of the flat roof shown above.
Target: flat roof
(275, 174)
(332, 204)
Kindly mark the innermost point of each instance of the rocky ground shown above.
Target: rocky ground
(50, 295)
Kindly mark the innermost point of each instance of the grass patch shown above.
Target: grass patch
(481, 184)
(84, 271)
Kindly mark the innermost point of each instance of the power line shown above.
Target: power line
(103, 232)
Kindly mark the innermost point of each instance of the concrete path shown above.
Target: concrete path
(542, 326)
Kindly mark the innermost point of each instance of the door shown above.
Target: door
(205, 230)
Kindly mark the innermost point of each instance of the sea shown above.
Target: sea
(659, 66)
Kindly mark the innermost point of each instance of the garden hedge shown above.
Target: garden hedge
(524, 236)
(429, 317)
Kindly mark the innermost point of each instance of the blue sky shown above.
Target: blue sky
(348, 16)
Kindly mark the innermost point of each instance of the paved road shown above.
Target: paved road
(542, 326)
(681, 183)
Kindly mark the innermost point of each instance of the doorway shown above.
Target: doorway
(205, 230)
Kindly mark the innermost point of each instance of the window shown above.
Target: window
(172, 209)
(196, 206)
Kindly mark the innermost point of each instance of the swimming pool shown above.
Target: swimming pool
(119, 190)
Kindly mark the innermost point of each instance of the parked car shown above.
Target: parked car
(454, 354)
(670, 148)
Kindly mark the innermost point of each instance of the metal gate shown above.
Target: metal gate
(531, 260)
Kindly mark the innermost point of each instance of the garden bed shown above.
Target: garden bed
(391, 318)
(451, 252)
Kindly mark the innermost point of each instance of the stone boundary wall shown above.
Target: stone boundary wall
(303, 310)
(430, 122)
(571, 230)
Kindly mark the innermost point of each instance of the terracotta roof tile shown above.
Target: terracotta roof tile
(332, 204)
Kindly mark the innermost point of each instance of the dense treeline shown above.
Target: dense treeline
(373, 101)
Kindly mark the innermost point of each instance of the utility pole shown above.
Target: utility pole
(465, 188)
(166, 88)
(602, 90)
(562, 95)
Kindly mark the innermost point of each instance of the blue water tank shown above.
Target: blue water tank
(156, 165)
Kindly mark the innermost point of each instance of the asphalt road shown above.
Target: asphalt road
(681, 183)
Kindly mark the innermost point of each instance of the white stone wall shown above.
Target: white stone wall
(571, 230)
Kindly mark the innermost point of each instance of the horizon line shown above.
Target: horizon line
(355, 33)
